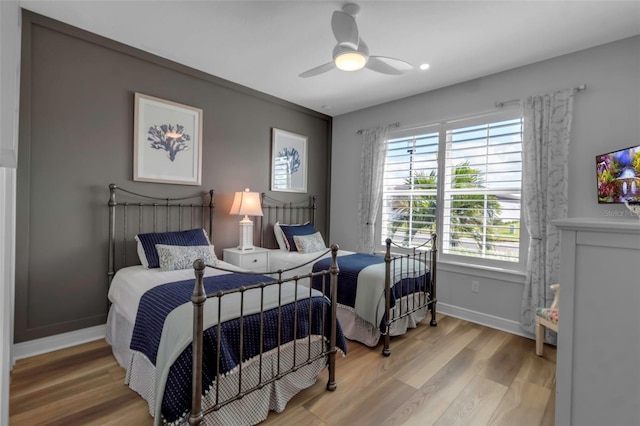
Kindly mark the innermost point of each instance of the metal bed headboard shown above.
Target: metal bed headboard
(144, 213)
(288, 212)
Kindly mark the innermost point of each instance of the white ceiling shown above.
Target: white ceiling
(264, 45)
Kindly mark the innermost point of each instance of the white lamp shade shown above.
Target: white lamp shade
(246, 203)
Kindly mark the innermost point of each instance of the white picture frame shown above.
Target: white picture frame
(288, 161)
(167, 142)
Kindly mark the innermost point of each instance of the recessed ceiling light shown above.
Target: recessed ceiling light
(424, 67)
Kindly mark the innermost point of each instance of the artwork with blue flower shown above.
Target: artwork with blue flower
(168, 138)
(288, 161)
(292, 158)
(167, 141)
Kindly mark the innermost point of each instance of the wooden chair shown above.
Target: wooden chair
(547, 318)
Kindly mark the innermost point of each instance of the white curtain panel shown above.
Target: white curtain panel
(374, 151)
(546, 133)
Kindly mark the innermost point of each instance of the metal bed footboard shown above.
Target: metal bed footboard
(420, 290)
(199, 298)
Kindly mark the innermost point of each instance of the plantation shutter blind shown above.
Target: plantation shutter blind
(410, 189)
(482, 190)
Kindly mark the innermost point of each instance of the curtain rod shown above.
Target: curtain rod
(510, 101)
(396, 124)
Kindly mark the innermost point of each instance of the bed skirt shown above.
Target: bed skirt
(253, 408)
(356, 328)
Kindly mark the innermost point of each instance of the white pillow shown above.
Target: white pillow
(309, 243)
(141, 255)
(280, 238)
(182, 257)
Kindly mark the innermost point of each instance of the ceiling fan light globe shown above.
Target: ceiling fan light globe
(350, 61)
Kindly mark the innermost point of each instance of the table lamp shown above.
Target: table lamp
(246, 203)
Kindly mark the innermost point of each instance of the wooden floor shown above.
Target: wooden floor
(457, 373)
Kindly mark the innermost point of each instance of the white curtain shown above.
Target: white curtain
(547, 128)
(374, 151)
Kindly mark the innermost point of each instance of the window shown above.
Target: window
(410, 189)
(462, 180)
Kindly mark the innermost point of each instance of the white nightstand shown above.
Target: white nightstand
(254, 260)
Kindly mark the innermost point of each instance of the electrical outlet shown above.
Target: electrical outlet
(475, 286)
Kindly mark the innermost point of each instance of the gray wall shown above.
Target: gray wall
(76, 137)
(606, 117)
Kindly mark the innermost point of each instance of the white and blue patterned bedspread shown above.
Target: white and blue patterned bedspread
(158, 303)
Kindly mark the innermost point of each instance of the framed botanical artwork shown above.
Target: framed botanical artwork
(288, 161)
(167, 142)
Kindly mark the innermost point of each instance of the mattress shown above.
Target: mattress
(130, 283)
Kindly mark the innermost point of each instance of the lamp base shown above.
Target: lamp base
(246, 234)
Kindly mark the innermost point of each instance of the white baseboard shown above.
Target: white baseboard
(498, 323)
(59, 341)
(73, 338)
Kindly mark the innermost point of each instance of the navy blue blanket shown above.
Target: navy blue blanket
(350, 266)
(158, 302)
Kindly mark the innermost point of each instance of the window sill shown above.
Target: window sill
(509, 275)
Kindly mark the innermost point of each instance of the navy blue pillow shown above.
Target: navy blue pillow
(192, 237)
(291, 230)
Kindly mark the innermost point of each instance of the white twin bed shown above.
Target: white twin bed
(128, 286)
(207, 343)
(364, 286)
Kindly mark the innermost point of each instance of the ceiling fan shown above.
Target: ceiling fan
(351, 53)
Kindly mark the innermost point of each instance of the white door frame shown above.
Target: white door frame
(10, 33)
(7, 279)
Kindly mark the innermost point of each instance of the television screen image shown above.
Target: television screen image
(619, 176)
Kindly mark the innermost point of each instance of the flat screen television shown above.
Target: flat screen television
(619, 176)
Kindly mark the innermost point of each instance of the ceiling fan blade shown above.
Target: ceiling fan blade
(387, 65)
(345, 29)
(318, 70)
